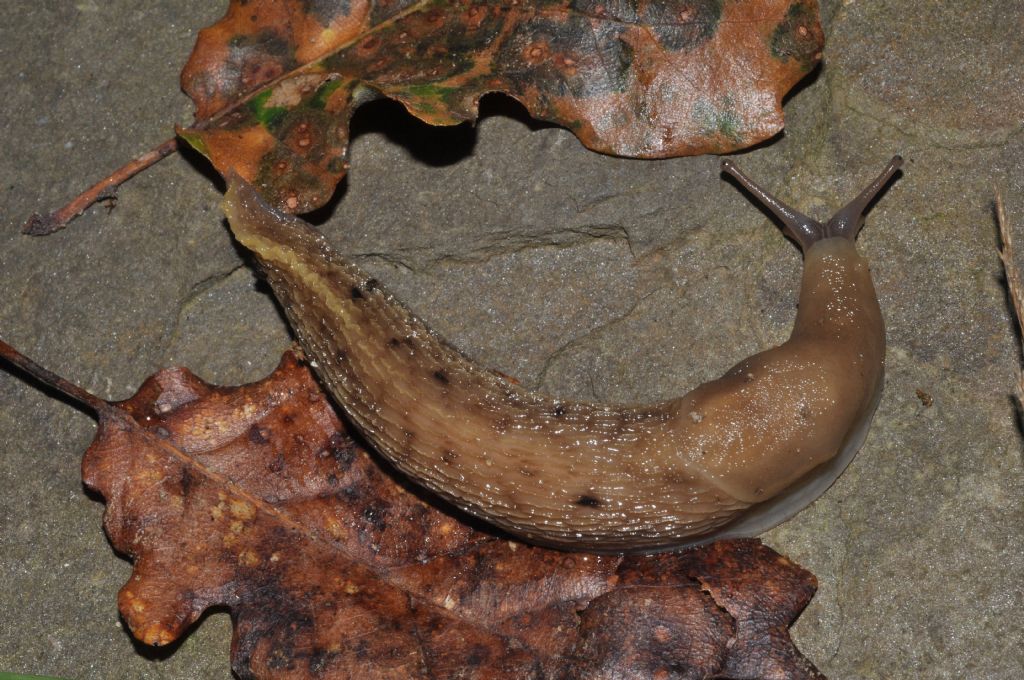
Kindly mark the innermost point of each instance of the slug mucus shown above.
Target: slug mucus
(734, 457)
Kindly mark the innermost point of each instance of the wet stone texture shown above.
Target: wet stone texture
(582, 275)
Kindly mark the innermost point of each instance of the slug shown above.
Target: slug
(734, 457)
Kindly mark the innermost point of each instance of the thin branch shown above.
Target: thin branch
(41, 225)
(53, 380)
(1013, 282)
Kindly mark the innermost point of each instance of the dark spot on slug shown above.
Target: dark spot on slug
(340, 356)
(441, 377)
(409, 435)
(356, 293)
(371, 284)
(588, 501)
(394, 342)
(559, 411)
(448, 456)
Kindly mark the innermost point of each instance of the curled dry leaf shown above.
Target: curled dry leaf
(255, 498)
(275, 82)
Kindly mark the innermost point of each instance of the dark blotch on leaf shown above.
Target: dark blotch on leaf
(342, 449)
(376, 515)
(794, 37)
(684, 26)
(277, 464)
(258, 435)
(187, 481)
(326, 11)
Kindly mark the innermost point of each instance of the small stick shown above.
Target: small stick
(41, 225)
(53, 380)
(1014, 284)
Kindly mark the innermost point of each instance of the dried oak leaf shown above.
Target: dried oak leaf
(256, 499)
(275, 82)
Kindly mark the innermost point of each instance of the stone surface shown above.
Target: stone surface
(583, 275)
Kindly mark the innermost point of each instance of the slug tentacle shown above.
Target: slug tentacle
(848, 220)
(735, 456)
(807, 231)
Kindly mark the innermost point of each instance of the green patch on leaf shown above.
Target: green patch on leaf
(268, 116)
(432, 91)
(197, 142)
(722, 120)
(323, 93)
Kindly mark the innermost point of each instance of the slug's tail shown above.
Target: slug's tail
(269, 233)
(805, 230)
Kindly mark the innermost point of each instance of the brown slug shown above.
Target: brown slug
(734, 457)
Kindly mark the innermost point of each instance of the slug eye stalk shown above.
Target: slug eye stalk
(806, 231)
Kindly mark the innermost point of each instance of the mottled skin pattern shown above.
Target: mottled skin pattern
(275, 82)
(734, 456)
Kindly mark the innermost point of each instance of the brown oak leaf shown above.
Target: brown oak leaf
(255, 498)
(275, 82)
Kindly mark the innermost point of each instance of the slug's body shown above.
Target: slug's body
(733, 457)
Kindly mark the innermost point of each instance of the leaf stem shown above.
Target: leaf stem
(50, 379)
(41, 225)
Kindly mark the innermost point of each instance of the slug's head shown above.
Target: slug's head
(807, 231)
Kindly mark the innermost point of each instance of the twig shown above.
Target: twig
(41, 225)
(1014, 284)
(50, 379)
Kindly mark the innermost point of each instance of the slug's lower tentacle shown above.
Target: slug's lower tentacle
(735, 456)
